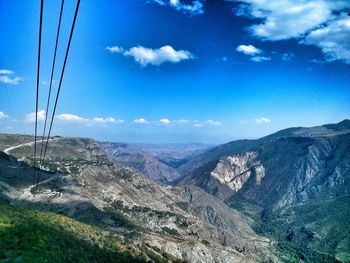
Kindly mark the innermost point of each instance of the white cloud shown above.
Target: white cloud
(10, 80)
(6, 72)
(3, 115)
(210, 122)
(248, 50)
(165, 122)
(260, 59)
(156, 57)
(195, 8)
(115, 49)
(73, 119)
(284, 19)
(180, 122)
(106, 120)
(196, 123)
(6, 79)
(70, 118)
(333, 39)
(141, 121)
(30, 118)
(322, 23)
(262, 120)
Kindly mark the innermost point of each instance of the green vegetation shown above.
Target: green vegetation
(117, 209)
(37, 189)
(120, 219)
(181, 222)
(311, 232)
(69, 165)
(170, 231)
(28, 235)
(159, 256)
(182, 205)
(206, 242)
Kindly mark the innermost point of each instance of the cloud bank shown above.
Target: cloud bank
(72, 118)
(333, 39)
(321, 23)
(30, 118)
(66, 118)
(182, 122)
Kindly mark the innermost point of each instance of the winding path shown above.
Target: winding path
(7, 151)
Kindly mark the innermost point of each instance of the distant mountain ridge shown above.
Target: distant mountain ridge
(281, 198)
(158, 161)
(286, 172)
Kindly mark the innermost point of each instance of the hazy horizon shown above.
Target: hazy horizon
(134, 138)
(183, 71)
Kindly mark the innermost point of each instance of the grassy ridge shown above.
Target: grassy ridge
(28, 235)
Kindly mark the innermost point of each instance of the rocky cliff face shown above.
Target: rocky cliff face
(236, 170)
(282, 169)
(184, 222)
(281, 175)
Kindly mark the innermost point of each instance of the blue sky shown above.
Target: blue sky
(178, 71)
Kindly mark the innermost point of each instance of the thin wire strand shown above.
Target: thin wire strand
(51, 80)
(61, 78)
(37, 86)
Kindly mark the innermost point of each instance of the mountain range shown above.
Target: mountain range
(281, 198)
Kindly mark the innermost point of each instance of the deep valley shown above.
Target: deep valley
(282, 198)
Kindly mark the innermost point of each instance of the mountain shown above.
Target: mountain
(282, 198)
(294, 184)
(154, 222)
(155, 161)
(174, 154)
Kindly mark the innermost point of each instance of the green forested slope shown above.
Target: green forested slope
(28, 235)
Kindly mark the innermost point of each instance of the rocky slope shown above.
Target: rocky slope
(174, 154)
(285, 168)
(276, 177)
(284, 197)
(176, 223)
(141, 160)
(157, 162)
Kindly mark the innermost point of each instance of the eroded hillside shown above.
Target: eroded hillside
(175, 223)
(294, 184)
